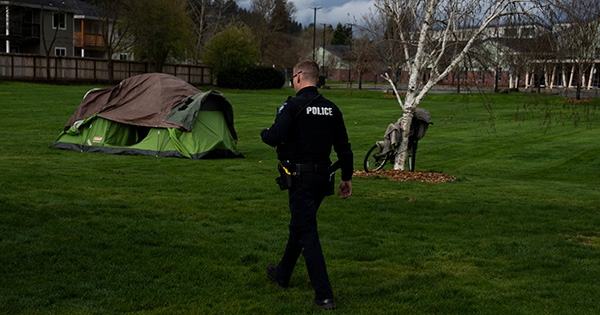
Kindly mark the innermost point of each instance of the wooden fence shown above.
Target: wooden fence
(24, 67)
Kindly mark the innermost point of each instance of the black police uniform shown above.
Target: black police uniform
(304, 135)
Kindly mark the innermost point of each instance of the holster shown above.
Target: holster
(332, 170)
(286, 175)
(331, 186)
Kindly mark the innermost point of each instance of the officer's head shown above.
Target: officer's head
(306, 73)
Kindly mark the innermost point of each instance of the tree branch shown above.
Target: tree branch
(387, 78)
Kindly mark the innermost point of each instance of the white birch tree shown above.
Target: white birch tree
(434, 26)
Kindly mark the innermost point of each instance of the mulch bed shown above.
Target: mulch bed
(404, 176)
(392, 95)
(576, 101)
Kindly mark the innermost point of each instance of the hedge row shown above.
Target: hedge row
(251, 78)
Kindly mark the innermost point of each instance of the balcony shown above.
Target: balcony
(88, 41)
(22, 31)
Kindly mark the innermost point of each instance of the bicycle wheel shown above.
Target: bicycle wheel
(373, 160)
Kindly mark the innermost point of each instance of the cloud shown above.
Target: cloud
(331, 12)
(348, 12)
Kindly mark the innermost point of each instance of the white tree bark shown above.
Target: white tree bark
(433, 26)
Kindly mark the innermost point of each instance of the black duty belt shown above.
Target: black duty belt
(313, 168)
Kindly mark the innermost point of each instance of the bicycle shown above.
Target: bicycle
(384, 151)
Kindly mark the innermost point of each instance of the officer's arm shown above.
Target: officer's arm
(280, 129)
(342, 148)
(346, 159)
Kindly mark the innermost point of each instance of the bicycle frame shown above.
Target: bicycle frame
(374, 161)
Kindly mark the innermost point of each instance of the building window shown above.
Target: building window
(59, 20)
(528, 32)
(60, 51)
(511, 32)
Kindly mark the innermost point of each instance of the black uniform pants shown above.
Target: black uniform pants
(306, 195)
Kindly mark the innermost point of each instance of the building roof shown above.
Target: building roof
(75, 6)
(340, 51)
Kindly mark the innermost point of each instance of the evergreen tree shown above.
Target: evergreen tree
(342, 35)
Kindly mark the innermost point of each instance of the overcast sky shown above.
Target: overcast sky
(332, 12)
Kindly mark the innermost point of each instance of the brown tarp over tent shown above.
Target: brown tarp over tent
(144, 100)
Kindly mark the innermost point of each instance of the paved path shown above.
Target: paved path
(385, 88)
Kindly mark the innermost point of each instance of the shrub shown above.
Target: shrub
(251, 78)
(234, 47)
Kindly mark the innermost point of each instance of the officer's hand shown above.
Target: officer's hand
(345, 189)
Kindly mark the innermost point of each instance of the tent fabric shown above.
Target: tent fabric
(185, 113)
(153, 114)
(142, 100)
(393, 133)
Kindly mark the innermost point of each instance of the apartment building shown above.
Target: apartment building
(53, 27)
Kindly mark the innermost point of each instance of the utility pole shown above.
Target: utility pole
(323, 65)
(497, 76)
(350, 70)
(315, 30)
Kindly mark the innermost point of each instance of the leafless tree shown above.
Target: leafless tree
(384, 33)
(271, 21)
(114, 29)
(433, 25)
(527, 47)
(361, 56)
(578, 41)
(209, 17)
(161, 30)
(49, 38)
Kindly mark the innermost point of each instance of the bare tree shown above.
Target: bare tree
(49, 38)
(271, 21)
(161, 29)
(385, 35)
(210, 17)
(527, 48)
(114, 29)
(362, 56)
(434, 24)
(578, 43)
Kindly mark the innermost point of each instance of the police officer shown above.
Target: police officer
(305, 129)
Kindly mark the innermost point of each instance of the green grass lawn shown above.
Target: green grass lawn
(518, 232)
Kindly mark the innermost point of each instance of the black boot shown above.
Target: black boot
(271, 274)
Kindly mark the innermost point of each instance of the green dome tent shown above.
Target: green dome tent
(153, 114)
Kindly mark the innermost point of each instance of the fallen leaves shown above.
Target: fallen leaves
(404, 176)
(392, 95)
(577, 101)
